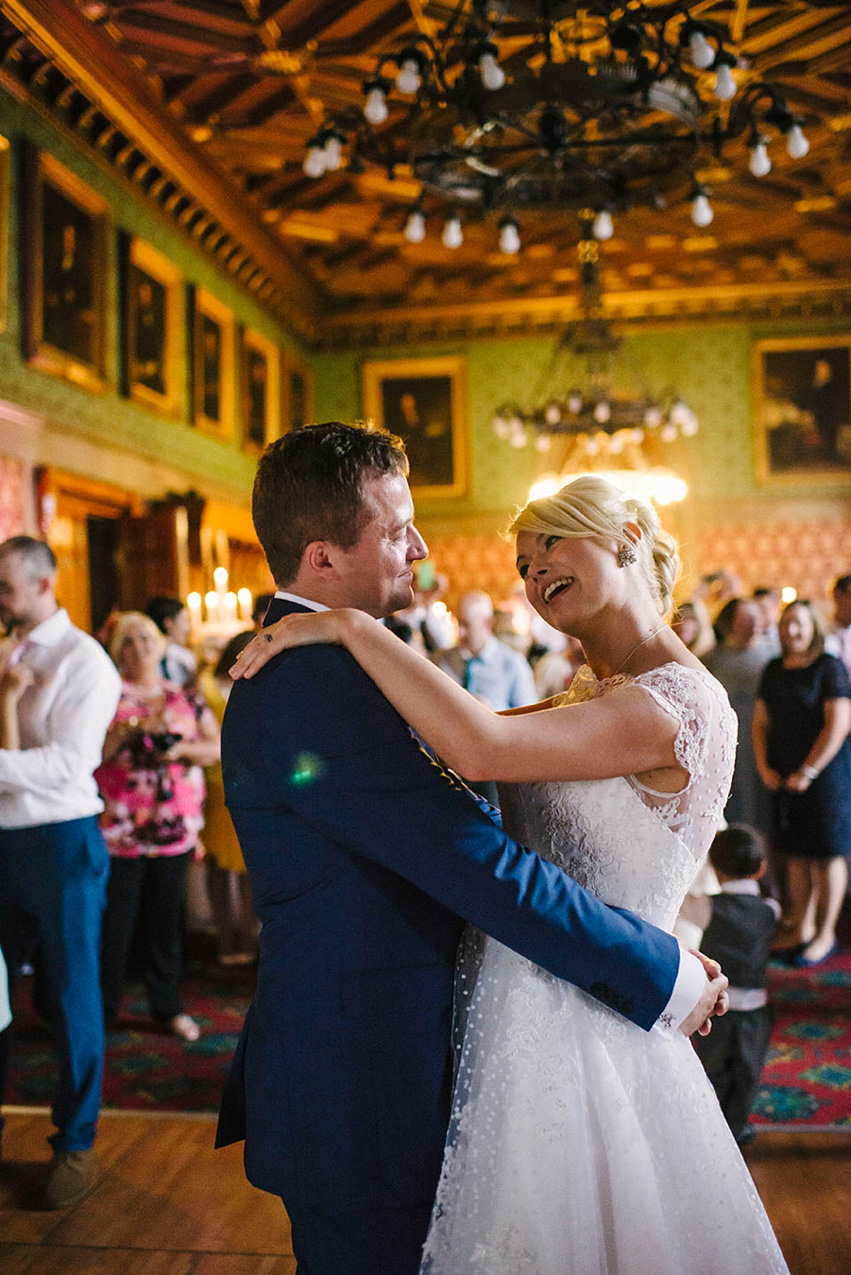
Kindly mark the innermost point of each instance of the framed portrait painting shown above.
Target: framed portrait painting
(212, 364)
(153, 323)
(260, 374)
(802, 394)
(423, 401)
(64, 239)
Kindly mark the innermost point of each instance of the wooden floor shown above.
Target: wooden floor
(167, 1204)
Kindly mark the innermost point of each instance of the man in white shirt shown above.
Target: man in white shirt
(53, 861)
(838, 641)
(489, 669)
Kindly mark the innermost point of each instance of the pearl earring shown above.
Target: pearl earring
(626, 557)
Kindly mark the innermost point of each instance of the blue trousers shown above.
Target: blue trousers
(52, 894)
(358, 1241)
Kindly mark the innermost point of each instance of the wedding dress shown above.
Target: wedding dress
(579, 1143)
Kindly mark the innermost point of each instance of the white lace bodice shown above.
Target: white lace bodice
(631, 846)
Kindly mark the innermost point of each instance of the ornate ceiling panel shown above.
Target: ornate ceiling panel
(213, 102)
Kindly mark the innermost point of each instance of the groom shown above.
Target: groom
(366, 858)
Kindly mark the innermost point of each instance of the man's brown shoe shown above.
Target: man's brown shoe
(71, 1175)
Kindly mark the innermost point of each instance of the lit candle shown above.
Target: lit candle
(245, 600)
(230, 606)
(193, 604)
(211, 601)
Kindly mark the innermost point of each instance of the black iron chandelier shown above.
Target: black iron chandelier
(518, 105)
(600, 425)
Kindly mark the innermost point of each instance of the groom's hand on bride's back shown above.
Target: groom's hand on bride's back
(714, 1000)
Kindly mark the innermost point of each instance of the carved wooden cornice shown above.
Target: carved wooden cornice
(830, 299)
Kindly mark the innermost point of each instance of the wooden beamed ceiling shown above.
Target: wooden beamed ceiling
(206, 105)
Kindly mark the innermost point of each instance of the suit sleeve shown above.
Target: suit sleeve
(330, 748)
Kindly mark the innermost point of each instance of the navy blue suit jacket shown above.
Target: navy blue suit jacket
(365, 859)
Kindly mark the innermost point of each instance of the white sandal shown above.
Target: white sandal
(184, 1027)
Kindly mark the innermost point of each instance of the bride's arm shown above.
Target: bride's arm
(623, 733)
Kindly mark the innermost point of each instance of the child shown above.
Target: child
(738, 929)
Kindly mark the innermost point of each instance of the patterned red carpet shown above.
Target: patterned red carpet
(806, 1082)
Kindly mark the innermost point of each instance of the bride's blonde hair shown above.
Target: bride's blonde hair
(593, 507)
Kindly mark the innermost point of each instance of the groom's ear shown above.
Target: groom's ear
(319, 558)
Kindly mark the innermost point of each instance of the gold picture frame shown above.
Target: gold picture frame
(153, 326)
(212, 365)
(4, 231)
(64, 239)
(297, 393)
(423, 400)
(802, 411)
(260, 382)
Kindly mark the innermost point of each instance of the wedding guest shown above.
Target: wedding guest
(491, 670)
(178, 663)
(738, 927)
(53, 862)
(152, 784)
(258, 611)
(769, 603)
(228, 886)
(838, 640)
(800, 737)
(737, 661)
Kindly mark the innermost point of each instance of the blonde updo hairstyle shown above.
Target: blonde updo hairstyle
(593, 507)
(126, 623)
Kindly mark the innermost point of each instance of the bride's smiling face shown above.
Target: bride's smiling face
(568, 579)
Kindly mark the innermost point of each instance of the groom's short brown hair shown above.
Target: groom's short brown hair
(309, 486)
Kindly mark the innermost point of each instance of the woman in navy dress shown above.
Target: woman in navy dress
(800, 733)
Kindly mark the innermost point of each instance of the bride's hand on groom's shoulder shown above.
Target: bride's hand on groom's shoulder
(713, 1003)
(304, 628)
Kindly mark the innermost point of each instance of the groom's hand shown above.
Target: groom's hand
(713, 1001)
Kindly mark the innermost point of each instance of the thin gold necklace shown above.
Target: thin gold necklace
(643, 642)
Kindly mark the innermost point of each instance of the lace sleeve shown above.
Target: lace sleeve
(705, 747)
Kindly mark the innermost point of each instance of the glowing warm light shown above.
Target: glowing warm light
(788, 594)
(657, 484)
(220, 577)
(245, 601)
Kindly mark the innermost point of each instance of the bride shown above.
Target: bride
(579, 1144)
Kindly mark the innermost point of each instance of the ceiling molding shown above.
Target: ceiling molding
(789, 299)
(94, 64)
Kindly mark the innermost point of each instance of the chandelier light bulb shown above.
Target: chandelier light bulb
(500, 424)
(592, 445)
(702, 52)
(701, 211)
(602, 226)
(408, 80)
(668, 432)
(415, 227)
(725, 85)
(517, 438)
(375, 107)
(452, 236)
(333, 152)
(493, 76)
(574, 402)
(602, 412)
(759, 163)
(543, 443)
(509, 236)
(552, 413)
(653, 417)
(796, 144)
(616, 444)
(314, 161)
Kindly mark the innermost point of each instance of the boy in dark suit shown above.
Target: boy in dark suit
(738, 926)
